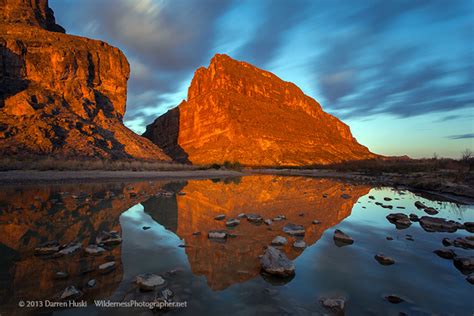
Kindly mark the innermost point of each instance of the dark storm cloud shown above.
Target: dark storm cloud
(462, 136)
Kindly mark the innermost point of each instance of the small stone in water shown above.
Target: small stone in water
(341, 239)
(220, 217)
(148, 281)
(232, 222)
(279, 241)
(394, 299)
(299, 244)
(107, 267)
(146, 227)
(384, 260)
(334, 304)
(91, 283)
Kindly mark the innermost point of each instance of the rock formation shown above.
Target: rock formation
(60, 94)
(237, 112)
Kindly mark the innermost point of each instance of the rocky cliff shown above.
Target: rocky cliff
(60, 94)
(237, 112)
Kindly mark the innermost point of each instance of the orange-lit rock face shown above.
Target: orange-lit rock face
(34, 214)
(61, 94)
(237, 112)
(236, 260)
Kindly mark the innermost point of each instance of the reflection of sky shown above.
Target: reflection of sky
(400, 73)
(323, 269)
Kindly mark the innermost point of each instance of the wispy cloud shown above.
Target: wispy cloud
(462, 136)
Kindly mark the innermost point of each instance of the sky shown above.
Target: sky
(399, 73)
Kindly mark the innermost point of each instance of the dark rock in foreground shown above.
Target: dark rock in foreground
(335, 305)
(464, 264)
(294, 230)
(276, 263)
(400, 220)
(148, 281)
(384, 260)
(342, 239)
(437, 224)
(445, 253)
(394, 299)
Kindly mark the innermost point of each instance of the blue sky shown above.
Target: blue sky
(400, 73)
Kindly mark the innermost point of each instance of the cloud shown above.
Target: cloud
(165, 41)
(462, 136)
(276, 19)
(390, 72)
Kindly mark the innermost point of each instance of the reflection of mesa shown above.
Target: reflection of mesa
(237, 259)
(237, 112)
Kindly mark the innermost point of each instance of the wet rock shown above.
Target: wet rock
(301, 214)
(420, 205)
(445, 253)
(107, 267)
(91, 283)
(345, 196)
(300, 244)
(70, 293)
(325, 196)
(400, 220)
(371, 197)
(294, 230)
(279, 241)
(149, 281)
(465, 243)
(47, 248)
(409, 237)
(437, 224)
(384, 260)
(414, 217)
(335, 305)
(394, 299)
(279, 218)
(61, 275)
(70, 249)
(389, 238)
(316, 222)
(387, 199)
(94, 250)
(254, 218)
(146, 227)
(469, 226)
(430, 211)
(464, 264)
(108, 238)
(241, 215)
(232, 222)
(268, 222)
(341, 239)
(276, 263)
(217, 234)
(220, 217)
(470, 279)
(196, 233)
(384, 205)
(447, 242)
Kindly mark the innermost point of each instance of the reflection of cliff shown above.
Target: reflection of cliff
(236, 260)
(32, 215)
(163, 210)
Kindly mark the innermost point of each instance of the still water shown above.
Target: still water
(164, 226)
